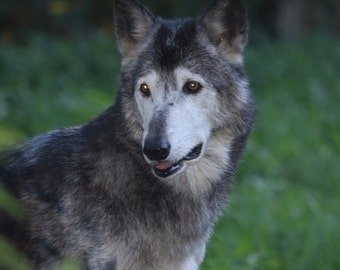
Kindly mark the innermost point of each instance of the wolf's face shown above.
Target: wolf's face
(177, 118)
(184, 82)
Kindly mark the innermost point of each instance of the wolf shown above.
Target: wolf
(140, 186)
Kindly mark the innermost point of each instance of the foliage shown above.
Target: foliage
(74, 77)
(284, 207)
(19, 19)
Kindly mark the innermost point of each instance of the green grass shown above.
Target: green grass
(284, 207)
(47, 84)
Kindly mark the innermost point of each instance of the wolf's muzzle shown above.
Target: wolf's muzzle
(165, 169)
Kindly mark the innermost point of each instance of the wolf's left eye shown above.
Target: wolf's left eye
(192, 87)
(144, 88)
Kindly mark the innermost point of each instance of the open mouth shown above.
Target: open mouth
(165, 169)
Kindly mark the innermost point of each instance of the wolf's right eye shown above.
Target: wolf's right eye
(192, 87)
(144, 88)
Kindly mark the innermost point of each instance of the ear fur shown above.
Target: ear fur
(227, 27)
(133, 22)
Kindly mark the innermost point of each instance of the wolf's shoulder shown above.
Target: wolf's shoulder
(48, 153)
(44, 146)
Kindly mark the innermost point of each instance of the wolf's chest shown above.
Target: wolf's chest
(146, 252)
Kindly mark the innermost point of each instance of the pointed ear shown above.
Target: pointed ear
(133, 22)
(227, 27)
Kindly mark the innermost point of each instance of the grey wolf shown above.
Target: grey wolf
(141, 186)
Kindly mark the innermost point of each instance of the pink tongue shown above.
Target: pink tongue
(163, 166)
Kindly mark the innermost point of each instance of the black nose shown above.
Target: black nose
(157, 149)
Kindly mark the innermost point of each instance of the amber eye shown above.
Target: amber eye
(144, 88)
(192, 87)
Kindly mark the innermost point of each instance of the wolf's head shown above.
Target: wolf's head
(183, 90)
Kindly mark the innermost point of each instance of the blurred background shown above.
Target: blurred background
(288, 19)
(59, 66)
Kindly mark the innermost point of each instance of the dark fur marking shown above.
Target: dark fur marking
(178, 39)
(46, 197)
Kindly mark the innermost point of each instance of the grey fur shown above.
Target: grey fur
(89, 193)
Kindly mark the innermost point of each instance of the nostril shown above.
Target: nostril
(157, 149)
